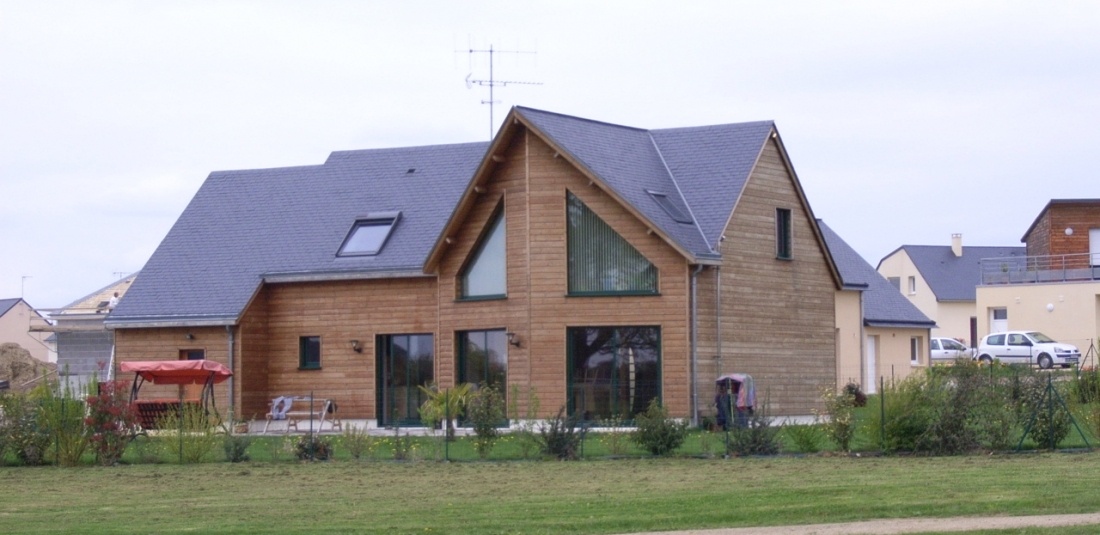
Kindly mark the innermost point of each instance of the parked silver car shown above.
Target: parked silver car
(1027, 347)
(949, 349)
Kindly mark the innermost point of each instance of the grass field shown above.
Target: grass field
(607, 496)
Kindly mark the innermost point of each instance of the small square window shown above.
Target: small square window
(783, 237)
(368, 235)
(309, 353)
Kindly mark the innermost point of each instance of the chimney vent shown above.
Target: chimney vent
(957, 244)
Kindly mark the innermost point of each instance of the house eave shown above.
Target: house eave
(155, 322)
(323, 276)
(899, 324)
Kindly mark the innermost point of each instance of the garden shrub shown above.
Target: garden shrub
(485, 412)
(357, 442)
(1086, 385)
(615, 436)
(112, 421)
(189, 433)
(24, 434)
(1042, 408)
(236, 447)
(656, 432)
(757, 437)
(525, 431)
(806, 438)
(559, 438)
(61, 413)
(840, 418)
(313, 448)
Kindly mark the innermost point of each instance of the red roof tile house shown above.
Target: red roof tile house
(600, 266)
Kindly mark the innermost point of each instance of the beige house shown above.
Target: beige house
(1055, 288)
(16, 317)
(881, 336)
(941, 281)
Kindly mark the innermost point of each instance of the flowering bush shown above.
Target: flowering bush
(111, 422)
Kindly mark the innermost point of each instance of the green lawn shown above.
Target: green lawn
(594, 496)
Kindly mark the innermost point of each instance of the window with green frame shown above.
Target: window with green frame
(783, 236)
(309, 353)
(483, 360)
(614, 372)
(404, 363)
(601, 262)
(486, 274)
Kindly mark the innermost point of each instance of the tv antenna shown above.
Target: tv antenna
(492, 81)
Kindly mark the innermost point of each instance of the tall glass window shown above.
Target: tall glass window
(614, 372)
(600, 260)
(404, 363)
(784, 248)
(483, 359)
(486, 275)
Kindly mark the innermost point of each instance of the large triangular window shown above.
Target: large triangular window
(601, 262)
(486, 274)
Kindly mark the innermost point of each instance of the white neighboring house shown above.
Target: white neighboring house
(1055, 286)
(942, 282)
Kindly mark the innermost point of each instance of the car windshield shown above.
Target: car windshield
(1041, 338)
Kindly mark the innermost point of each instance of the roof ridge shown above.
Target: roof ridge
(680, 192)
(584, 119)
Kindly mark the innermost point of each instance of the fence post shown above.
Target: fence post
(447, 425)
(881, 414)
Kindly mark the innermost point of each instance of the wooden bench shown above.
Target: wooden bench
(305, 409)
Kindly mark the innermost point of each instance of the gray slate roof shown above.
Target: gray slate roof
(883, 304)
(954, 278)
(702, 169)
(6, 304)
(244, 227)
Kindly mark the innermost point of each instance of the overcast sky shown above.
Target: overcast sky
(906, 122)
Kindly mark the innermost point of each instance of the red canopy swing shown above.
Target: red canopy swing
(174, 372)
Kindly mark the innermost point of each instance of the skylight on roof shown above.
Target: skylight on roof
(368, 235)
(671, 209)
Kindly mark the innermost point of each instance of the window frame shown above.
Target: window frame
(306, 343)
(381, 219)
(915, 350)
(784, 234)
(572, 279)
(616, 343)
(912, 285)
(496, 221)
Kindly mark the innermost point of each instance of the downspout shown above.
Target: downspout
(718, 318)
(232, 339)
(695, 348)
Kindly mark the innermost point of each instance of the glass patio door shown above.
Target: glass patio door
(404, 363)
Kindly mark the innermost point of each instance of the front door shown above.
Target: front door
(870, 382)
(998, 320)
(404, 362)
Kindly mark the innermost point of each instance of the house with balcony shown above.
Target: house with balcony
(941, 281)
(1055, 286)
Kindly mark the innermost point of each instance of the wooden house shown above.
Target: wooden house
(598, 266)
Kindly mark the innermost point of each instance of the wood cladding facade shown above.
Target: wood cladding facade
(775, 317)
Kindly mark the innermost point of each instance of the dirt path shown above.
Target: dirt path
(905, 525)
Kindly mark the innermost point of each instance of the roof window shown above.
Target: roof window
(369, 234)
(672, 210)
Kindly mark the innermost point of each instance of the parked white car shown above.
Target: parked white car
(949, 349)
(1027, 347)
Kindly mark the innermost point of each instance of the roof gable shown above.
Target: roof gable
(7, 304)
(883, 304)
(954, 278)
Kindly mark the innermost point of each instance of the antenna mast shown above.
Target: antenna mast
(493, 82)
